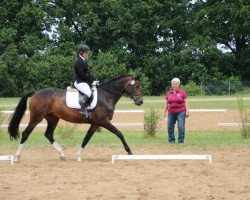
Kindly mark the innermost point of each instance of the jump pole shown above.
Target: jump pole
(11, 158)
(161, 157)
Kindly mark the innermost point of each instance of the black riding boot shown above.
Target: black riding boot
(83, 111)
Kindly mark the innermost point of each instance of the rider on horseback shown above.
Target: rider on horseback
(83, 78)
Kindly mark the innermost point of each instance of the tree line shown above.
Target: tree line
(193, 40)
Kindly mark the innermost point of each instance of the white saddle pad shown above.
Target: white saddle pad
(72, 99)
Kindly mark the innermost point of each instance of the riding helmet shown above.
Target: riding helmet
(83, 47)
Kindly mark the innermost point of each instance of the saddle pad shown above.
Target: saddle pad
(72, 99)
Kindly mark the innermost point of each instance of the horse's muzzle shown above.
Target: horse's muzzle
(139, 102)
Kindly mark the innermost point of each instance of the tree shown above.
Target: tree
(106, 66)
(7, 86)
(228, 23)
(22, 23)
(48, 70)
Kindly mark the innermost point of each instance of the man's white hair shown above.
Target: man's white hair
(175, 80)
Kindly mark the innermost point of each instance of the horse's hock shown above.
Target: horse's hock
(134, 121)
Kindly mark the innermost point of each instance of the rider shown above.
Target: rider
(83, 78)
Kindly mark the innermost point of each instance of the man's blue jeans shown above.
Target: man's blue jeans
(180, 118)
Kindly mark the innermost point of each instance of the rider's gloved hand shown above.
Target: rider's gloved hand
(95, 83)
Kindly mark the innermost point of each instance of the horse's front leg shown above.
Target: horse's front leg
(118, 133)
(86, 139)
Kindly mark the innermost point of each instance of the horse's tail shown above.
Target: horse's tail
(17, 116)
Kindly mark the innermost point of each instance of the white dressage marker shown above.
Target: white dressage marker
(12, 111)
(11, 158)
(233, 124)
(208, 110)
(129, 111)
(22, 125)
(161, 157)
(128, 124)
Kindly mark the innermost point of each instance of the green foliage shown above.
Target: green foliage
(229, 85)
(22, 23)
(227, 23)
(7, 85)
(146, 85)
(46, 70)
(151, 122)
(38, 41)
(145, 81)
(107, 66)
(192, 89)
(244, 119)
(66, 131)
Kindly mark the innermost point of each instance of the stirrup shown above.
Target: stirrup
(85, 113)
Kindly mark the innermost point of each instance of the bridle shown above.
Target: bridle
(131, 96)
(134, 96)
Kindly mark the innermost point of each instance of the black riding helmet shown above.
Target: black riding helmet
(83, 47)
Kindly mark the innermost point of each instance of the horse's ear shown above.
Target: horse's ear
(137, 77)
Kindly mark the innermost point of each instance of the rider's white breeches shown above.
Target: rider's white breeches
(83, 87)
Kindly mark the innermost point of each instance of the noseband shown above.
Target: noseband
(135, 96)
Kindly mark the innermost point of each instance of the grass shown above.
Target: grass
(135, 138)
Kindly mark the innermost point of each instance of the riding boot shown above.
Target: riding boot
(83, 111)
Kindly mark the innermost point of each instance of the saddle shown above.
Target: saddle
(74, 97)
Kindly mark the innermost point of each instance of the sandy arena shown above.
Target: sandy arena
(197, 121)
(41, 175)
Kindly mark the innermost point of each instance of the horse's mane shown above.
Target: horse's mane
(113, 79)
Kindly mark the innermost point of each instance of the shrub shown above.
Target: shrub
(151, 122)
(65, 131)
(192, 89)
(244, 119)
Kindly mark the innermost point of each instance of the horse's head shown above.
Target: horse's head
(133, 90)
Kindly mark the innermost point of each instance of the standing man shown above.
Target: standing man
(83, 78)
(176, 110)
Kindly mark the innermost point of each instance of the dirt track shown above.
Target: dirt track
(41, 175)
(196, 122)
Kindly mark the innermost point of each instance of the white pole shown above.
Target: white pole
(161, 157)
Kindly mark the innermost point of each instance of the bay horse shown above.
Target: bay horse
(50, 103)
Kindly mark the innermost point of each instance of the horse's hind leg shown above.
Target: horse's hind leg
(86, 139)
(52, 123)
(25, 136)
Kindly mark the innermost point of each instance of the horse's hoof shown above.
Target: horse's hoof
(16, 158)
(62, 157)
(130, 153)
(78, 159)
